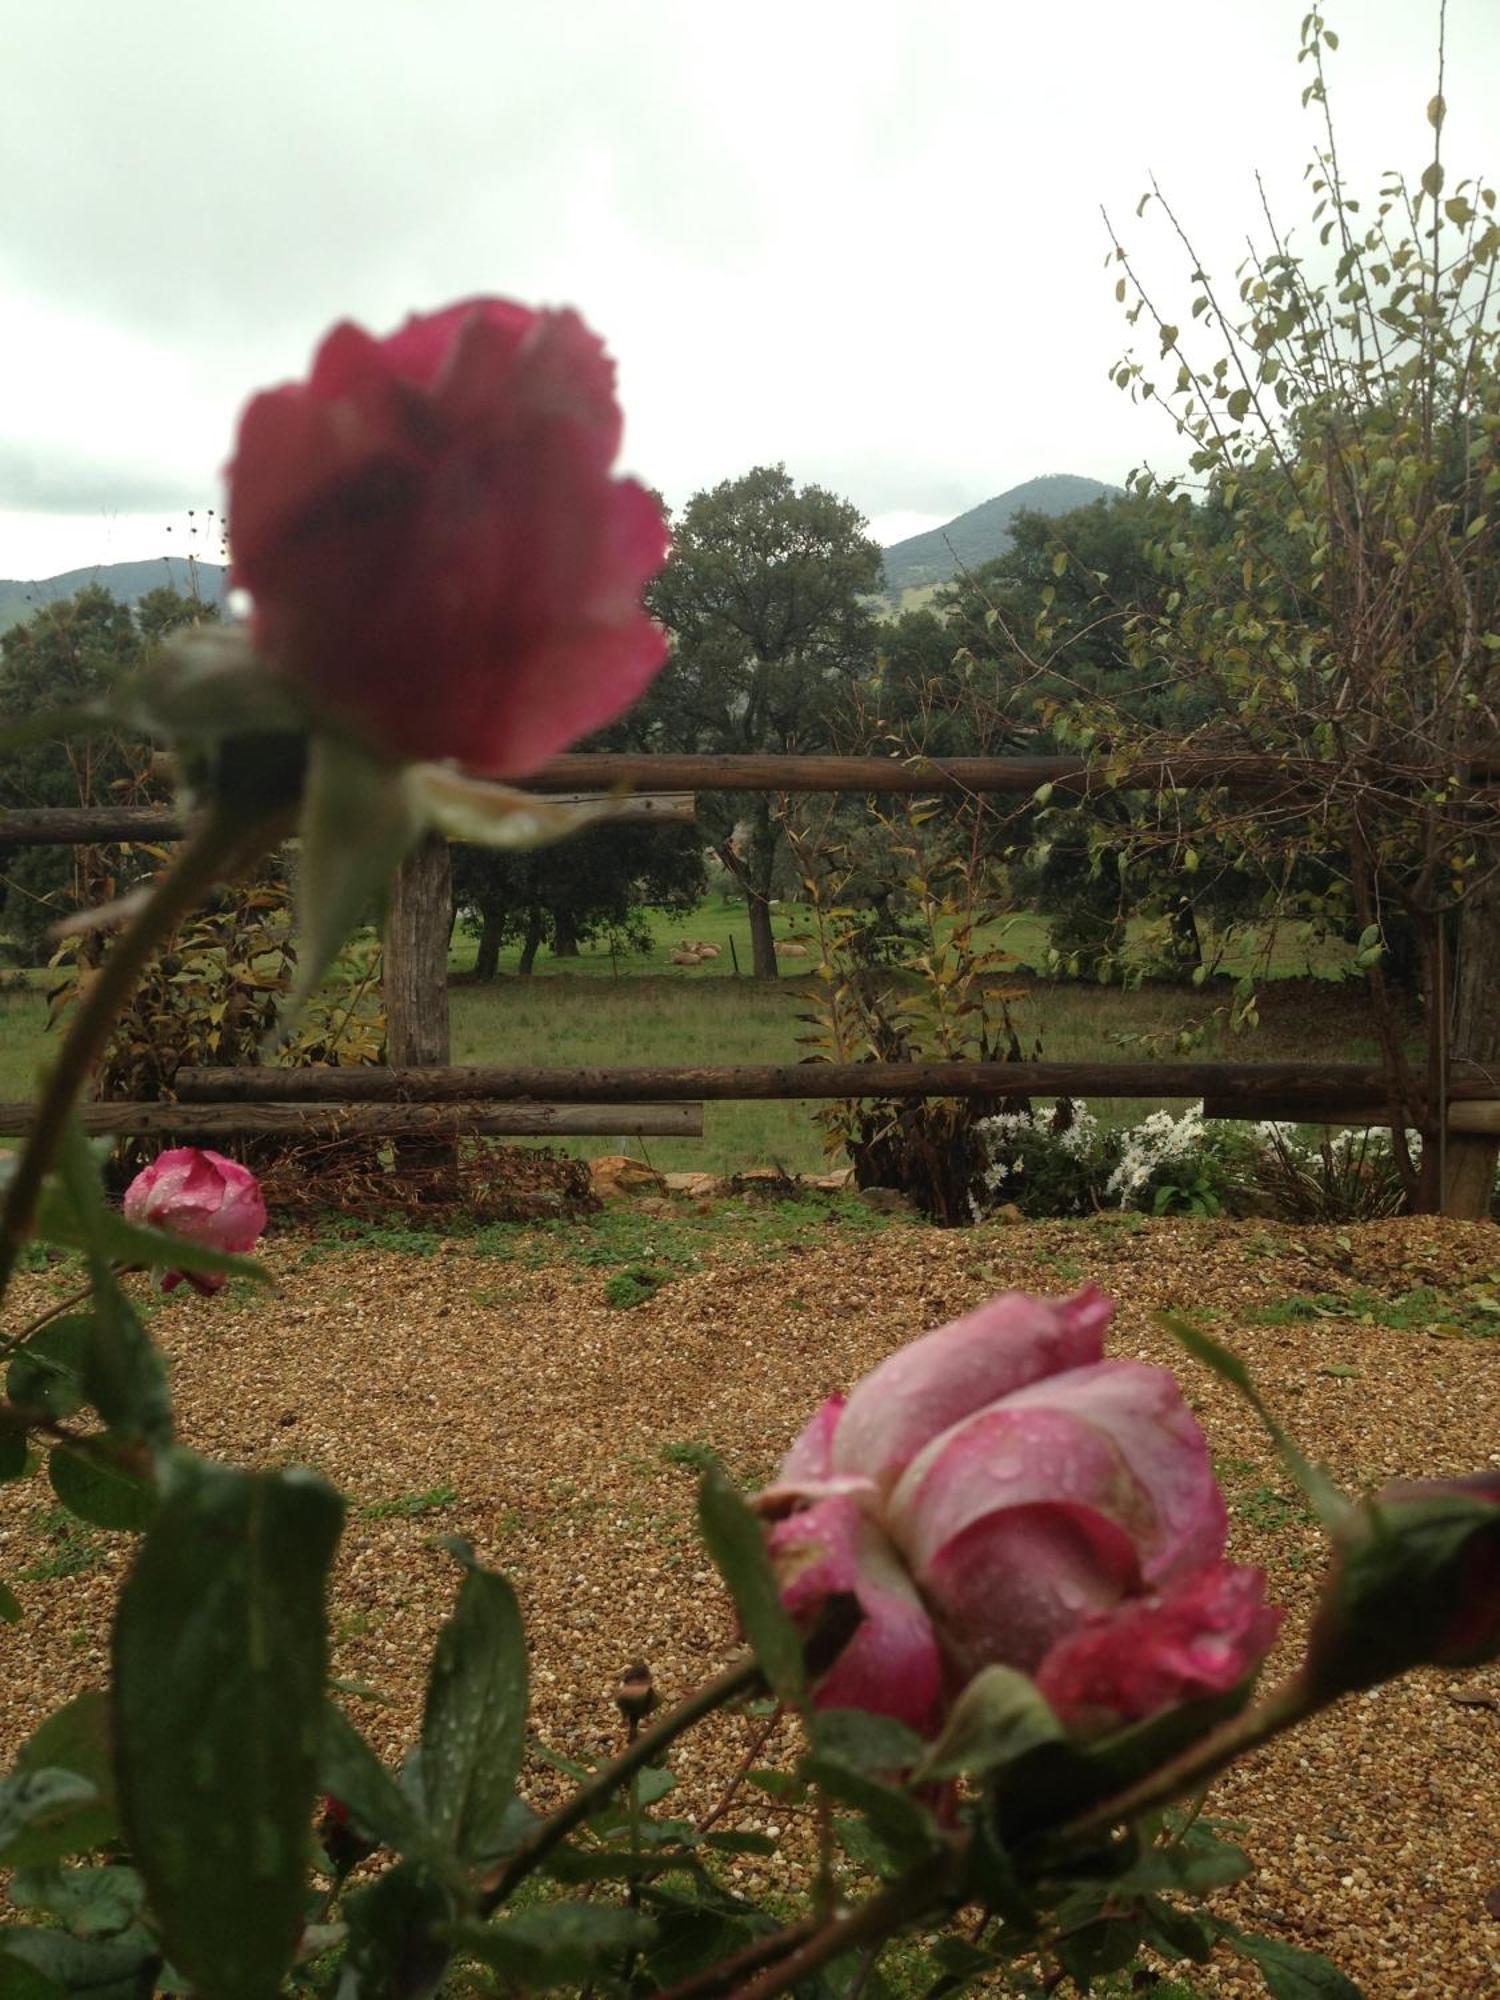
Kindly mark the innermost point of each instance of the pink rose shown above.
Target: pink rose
(1414, 1581)
(204, 1197)
(436, 550)
(998, 1493)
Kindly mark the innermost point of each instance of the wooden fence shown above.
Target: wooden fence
(425, 1094)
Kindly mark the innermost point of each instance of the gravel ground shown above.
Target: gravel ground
(504, 1400)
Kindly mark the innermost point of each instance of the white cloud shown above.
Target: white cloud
(863, 238)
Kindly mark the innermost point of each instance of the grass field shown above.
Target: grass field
(582, 1012)
(1288, 953)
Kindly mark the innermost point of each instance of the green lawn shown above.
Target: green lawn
(719, 922)
(580, 1014)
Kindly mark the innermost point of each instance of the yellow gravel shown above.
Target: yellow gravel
(1376, 1832)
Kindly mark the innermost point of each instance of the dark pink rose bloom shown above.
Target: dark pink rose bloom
(999, 1493)
(437, 552)
(1414, 1581)
(198, 1194)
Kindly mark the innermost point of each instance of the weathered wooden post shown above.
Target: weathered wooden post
(1469, 1158)
(414, 981)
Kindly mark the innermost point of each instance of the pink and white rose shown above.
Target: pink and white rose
(999, 1493)
(199, 1194)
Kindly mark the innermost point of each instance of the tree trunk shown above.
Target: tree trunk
(564, 935)
(415, 986)
(1470, 1159)
(764, 835)
(487, 957)
(535, 926)
(762, 939)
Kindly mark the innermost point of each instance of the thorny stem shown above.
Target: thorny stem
(216, 849)
(725, 1976)
(740, 1677)
(933, 1881)
(746, 1764)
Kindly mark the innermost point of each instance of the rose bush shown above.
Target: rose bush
(998, 1493)
(201, 1195)
(439, 558)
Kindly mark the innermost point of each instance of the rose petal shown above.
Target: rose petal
(1141, 1411)
(924, 1389)
(1004, 1458)
(1004, 1591)
(892, 1665)
(1200, 1637)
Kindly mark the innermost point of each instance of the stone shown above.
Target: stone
(616, 1177)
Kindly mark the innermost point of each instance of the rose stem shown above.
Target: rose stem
(932, 1881)
(738, 1678)
(1201, 1761)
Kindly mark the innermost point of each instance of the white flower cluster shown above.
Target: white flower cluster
(1002, 1133)
(1158, 1141)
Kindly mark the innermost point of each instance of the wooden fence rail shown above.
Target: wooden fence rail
(1351, 1086)
(378, 1121)
(75, 826)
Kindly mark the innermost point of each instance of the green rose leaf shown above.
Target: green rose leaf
(556, 1946)
(93, 1481)
(219, 1660)
(359, 818)
(59, 1799)
(474, 1719)
(738, 1548)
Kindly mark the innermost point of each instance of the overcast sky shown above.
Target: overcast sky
(863, 238)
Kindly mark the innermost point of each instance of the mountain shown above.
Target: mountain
(127, 581)
(983, 532)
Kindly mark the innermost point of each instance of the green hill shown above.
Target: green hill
(983, 532)
(126, 581)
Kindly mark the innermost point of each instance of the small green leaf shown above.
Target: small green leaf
(738, 1547)
(474, 1720)
(10, 1606)
(14, 1455)
(59, 1799)
(998, 1717)
(123, 1375)
(866, 1742)
(350, 1772)
(398, 1926)
(90, 1902)
(1238, 404)
(219, 1662)
(561, 1944)
(92, 1481)
(118, 1968)
(46, 1375)
(358, 822)
(1289, 1972)
(20, 1981)
(905, 1830)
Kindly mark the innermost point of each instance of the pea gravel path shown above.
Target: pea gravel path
(504, 1400)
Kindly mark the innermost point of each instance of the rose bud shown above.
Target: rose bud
(340, 1839)
(1415, 1581)
(999, 1494)
(198, 1194)
(437, 553)
(635, 1697)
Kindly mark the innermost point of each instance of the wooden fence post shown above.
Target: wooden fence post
(1470, 1159)
(414, 981)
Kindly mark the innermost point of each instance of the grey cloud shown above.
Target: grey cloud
(43, 480)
